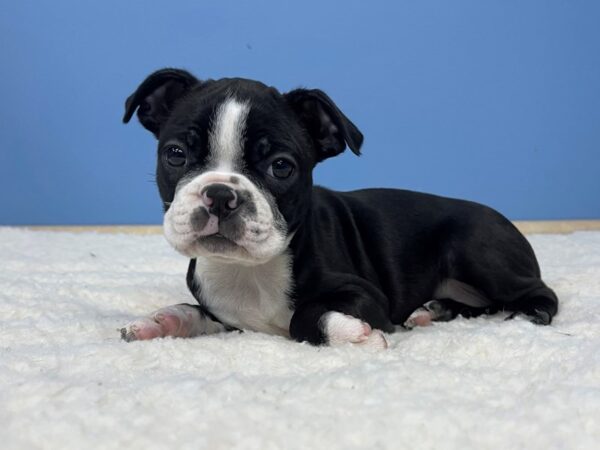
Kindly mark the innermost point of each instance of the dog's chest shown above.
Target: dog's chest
(253, 298)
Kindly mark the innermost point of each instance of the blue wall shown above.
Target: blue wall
(495, 101)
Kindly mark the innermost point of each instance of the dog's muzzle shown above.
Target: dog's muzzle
(224, 214)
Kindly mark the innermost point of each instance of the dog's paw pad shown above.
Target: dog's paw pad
(341, 329)
(421, 317)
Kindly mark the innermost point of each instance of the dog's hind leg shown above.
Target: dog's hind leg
(432, 311)
(526, 295)
(539, 305)
(451, 298)
(498, 261)
(443, 310)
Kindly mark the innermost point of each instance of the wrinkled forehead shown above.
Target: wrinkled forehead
(219, 122)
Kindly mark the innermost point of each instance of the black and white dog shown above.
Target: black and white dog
(269, 252)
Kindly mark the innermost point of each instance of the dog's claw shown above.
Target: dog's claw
(127, 336)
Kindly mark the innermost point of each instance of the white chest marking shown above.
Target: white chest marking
(248, 297)
(227, 135)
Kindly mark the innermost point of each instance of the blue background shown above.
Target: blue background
(495, 101)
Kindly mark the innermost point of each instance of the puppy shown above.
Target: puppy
(270, 252)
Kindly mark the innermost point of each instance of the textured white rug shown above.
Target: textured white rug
(68, 381)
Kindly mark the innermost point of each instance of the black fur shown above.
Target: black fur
(382, 253)
(376, 254)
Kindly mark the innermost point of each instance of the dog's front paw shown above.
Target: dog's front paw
(175, 321)
(141, 329)
(341, 329)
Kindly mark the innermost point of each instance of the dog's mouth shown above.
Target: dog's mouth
(217, 243)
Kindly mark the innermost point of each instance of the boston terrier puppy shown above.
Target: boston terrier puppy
(270, 252)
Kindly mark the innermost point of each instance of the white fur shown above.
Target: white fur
(227, 135)
(264, 236)
(342, 329)
(246, 287)
(248, 297)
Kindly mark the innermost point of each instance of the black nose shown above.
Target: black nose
(220, 200)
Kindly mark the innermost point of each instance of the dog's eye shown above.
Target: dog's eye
(281, 168)
(175, 156)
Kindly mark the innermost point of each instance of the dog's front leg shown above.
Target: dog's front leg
(349, 314)
(176, 321)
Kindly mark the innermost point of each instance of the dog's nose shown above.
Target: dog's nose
(220, 199)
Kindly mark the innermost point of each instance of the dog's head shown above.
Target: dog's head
(235, 160)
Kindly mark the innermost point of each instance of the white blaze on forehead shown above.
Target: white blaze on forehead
(227, 134)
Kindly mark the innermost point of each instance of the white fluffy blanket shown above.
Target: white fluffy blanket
(68, 381)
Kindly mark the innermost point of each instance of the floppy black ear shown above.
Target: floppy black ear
(155, 97)
(329, 128)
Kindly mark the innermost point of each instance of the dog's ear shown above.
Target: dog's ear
(329, 128)
(155, 97)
